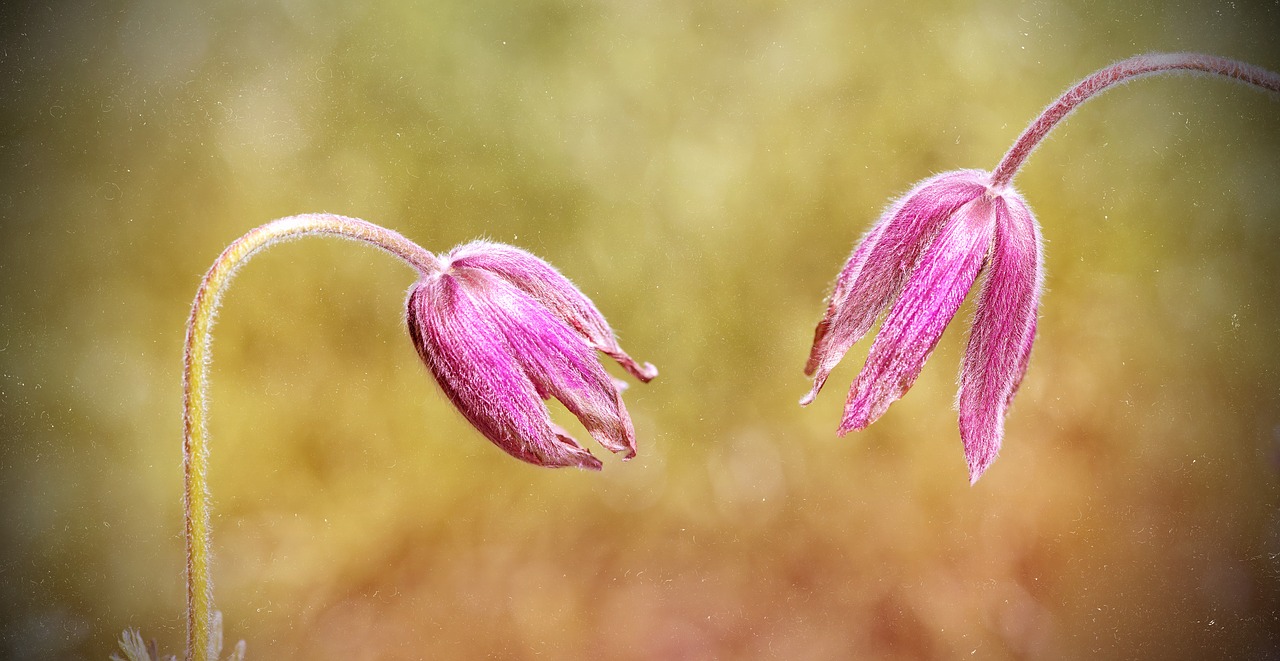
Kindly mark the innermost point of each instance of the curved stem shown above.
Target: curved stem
(1141, 65)
(195, 437)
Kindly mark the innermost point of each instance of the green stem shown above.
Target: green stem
(196, 358)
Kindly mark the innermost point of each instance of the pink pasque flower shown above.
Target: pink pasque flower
(501, 331)
(927, 250)
(920, 260)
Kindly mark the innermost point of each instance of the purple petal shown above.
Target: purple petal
(875, 272)
(497, 353)
(929, 301)
(1024, 352)
(838, 300)
(1003, 332)
(560, 364)
(546, 285)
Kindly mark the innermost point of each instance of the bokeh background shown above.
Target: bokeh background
(701, 170)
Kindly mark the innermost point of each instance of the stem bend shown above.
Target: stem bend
(1122, 71)
(196, 357)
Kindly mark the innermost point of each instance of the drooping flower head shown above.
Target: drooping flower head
(926, 251)
(919, 261)
(501, 331)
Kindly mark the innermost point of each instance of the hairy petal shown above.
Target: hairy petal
(877, 269)
(549, 287)
(461, 325)
(928, 302)
(839, 296)
(559, 363)
(1024, 352)
(1003, 332)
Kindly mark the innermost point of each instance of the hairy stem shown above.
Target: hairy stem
(1141, 65)
(196, 356)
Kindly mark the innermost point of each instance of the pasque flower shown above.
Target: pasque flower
(920, 260)
(927, 250)
(502, 330)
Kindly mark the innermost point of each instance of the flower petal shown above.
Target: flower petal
(1024, 353)
(558, 362)
(470, 329)
(927, 304)
(875, 272)
(836, 303)
(1003, 331)
(546, 285)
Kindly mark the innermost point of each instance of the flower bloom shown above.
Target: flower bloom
(501, 331)
(920, 260)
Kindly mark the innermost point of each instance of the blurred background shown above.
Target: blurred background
(701, 172)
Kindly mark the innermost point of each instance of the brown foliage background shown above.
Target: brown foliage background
(701, 170)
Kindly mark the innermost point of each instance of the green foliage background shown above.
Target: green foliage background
(701, 170)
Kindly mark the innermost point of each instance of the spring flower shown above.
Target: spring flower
(501, 330)
(921, 259)
(924, 254)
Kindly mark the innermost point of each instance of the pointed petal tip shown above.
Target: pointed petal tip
(860, 411)
(590, 463)
(978, 464)
(852, 423)
(644, 372)
(819, 380)
(981, 433)
(568, 452)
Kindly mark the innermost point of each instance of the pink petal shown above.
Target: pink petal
(927, 304)
(1003, 332)
(1024, 352)
(839, 296)
(876, 270)
(546, 285)
(497, 353)
(558, 362)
